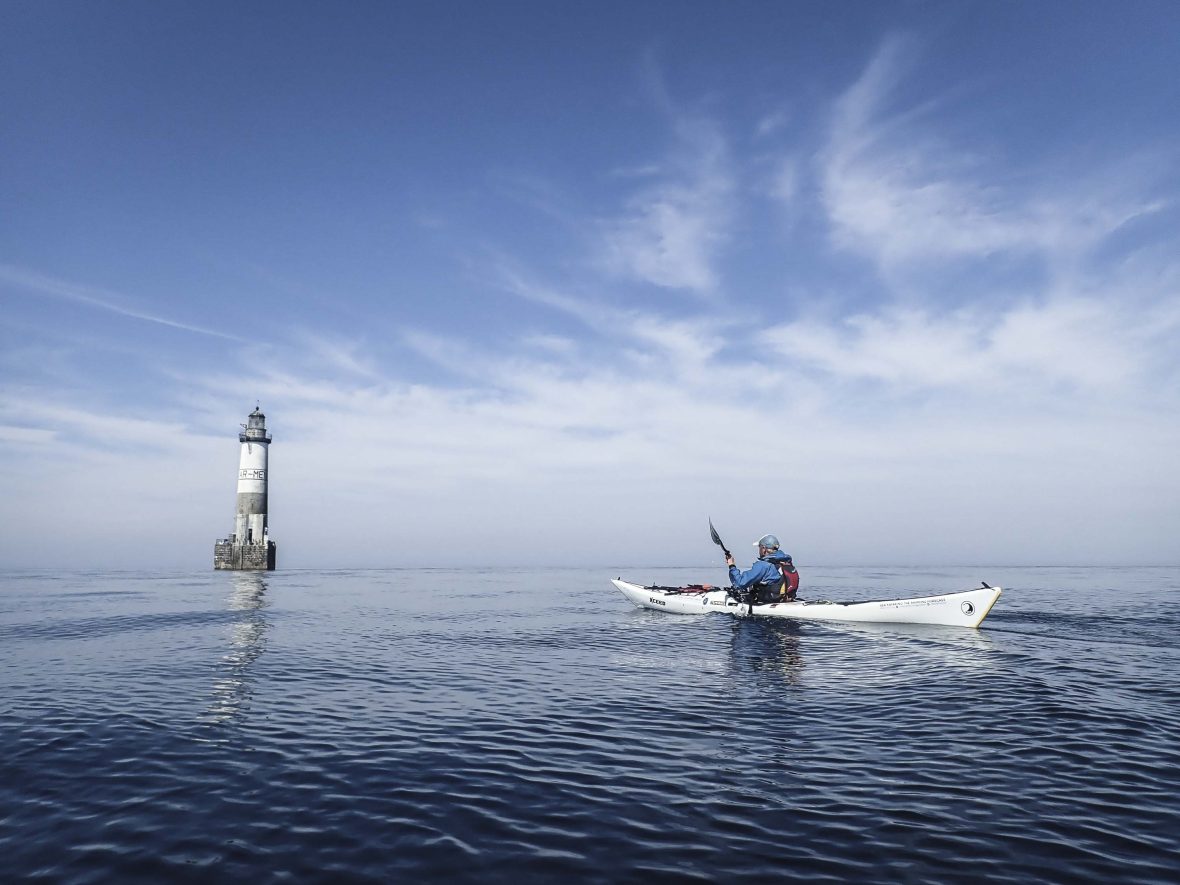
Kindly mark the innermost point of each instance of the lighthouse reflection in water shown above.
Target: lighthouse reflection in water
(246, 634)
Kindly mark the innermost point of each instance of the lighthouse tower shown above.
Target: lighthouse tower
(250, 546)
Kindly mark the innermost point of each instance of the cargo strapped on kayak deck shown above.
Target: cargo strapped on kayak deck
(689, 588)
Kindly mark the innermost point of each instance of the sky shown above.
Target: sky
(542, 284)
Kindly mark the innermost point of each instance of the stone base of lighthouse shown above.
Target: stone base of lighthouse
(244, 557)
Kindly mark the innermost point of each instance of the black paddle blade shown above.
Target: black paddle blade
(717, 538)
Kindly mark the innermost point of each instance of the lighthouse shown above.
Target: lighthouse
(249, 548)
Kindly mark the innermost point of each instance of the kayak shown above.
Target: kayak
(961, 609)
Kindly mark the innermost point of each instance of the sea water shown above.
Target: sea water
(531, 725)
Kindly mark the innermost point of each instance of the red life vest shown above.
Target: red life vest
(790, 584)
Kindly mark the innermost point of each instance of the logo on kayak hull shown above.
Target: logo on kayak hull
(968, 608)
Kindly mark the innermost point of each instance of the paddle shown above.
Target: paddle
(717, 540)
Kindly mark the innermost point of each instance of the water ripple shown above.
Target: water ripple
(370, 725)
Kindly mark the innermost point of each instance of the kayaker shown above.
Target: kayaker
(772, 578)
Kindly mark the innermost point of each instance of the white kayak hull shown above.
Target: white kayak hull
(963, 609)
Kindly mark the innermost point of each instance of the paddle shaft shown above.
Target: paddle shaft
(728, 556)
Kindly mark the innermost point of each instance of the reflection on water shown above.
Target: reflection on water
(903, 652)
(517, 732)
(767, 646)
(848, 654)
(247, 640)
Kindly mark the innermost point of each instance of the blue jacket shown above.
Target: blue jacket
(762, 573)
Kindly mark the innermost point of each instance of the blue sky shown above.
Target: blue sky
(551, 283)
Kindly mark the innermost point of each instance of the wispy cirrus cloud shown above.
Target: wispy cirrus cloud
(1086, 344)
(1089, 318)
(901, 193)
(672, 230)
(101, 299)
(688, 339)
(81, 424)
(335, 353)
